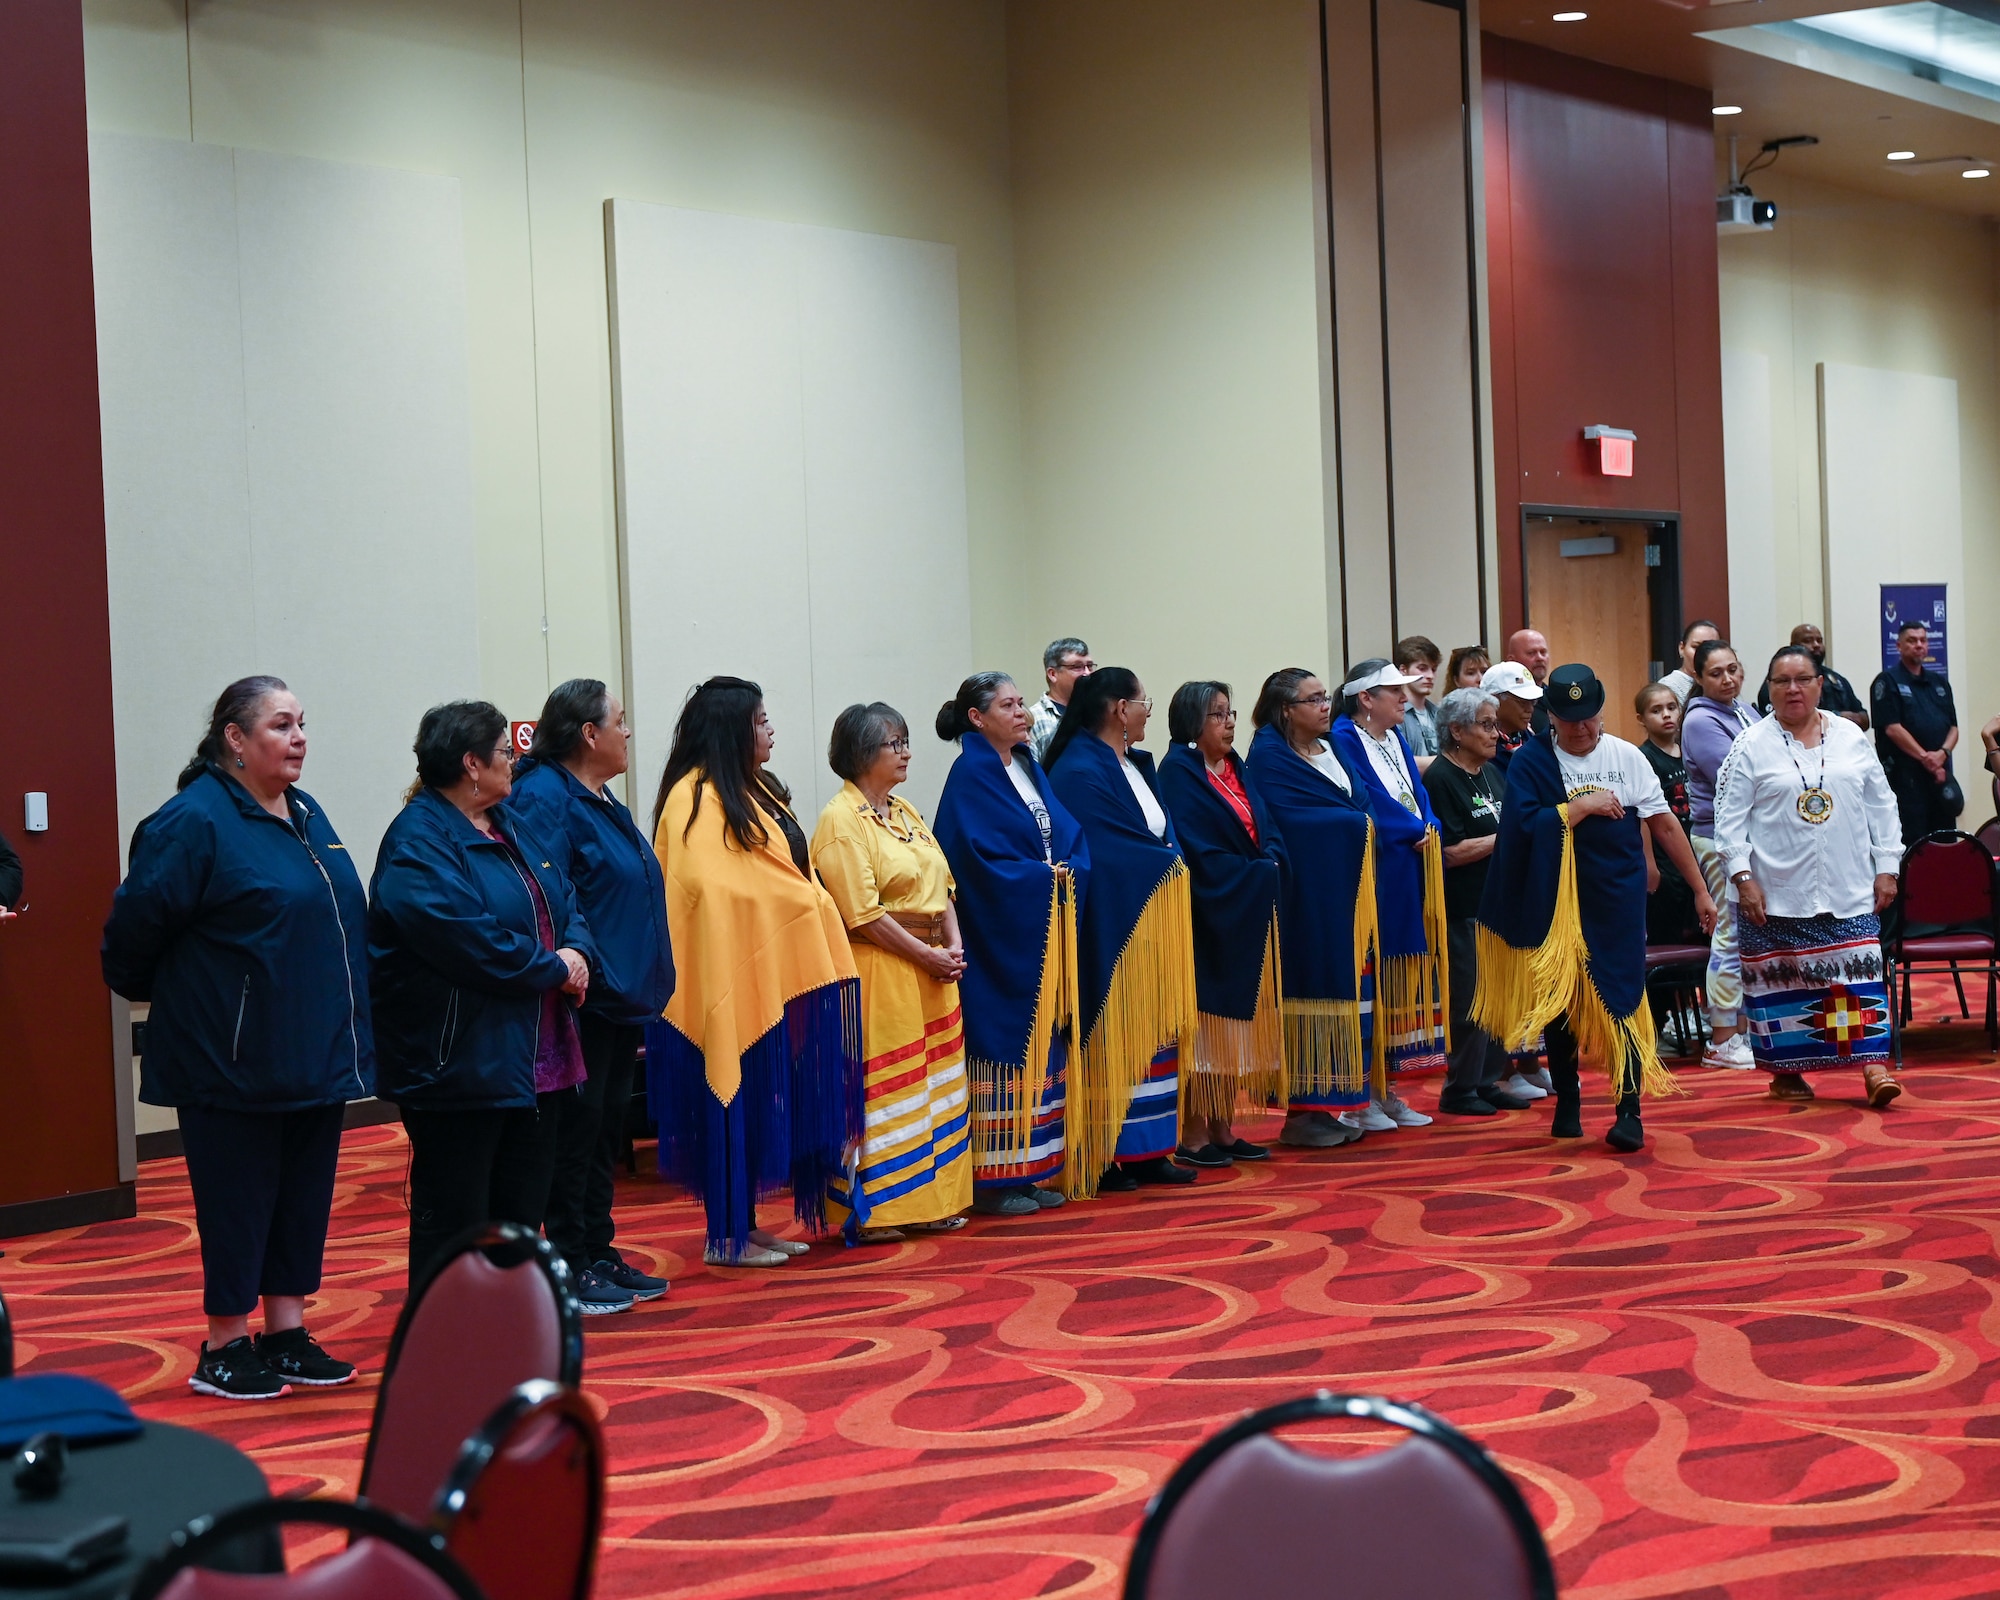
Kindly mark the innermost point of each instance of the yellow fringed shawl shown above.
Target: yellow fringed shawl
(993, 1083)
(1410, 991)
(1324, 1055)
(1240, 1060)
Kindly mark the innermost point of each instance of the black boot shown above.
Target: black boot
(1568, 1122)
(1626, 1133)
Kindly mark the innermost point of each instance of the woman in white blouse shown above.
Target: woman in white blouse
(1807, 830)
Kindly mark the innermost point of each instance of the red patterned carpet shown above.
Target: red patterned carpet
(1756, 1361)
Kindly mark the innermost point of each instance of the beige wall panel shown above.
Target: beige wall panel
(1357, 328)
(1169, 332)
(1431, 371)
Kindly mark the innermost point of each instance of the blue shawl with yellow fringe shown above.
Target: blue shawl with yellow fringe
(1326, 913)
(1410, 955)
(1018, 917)
(1135, 950)
(1562, 926)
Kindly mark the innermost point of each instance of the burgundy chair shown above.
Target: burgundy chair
(1676, 973)
(524, 1506)
(6, 1341)
(1947, 911)
(1989, 835)
(1248, 1515)
(385, 1559)
(494, 1311)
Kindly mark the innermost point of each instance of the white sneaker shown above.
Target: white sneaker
(1402, 1113)
(1733, 1053)
(1371, 1118)
(1524, 1086)
(1539, 1077)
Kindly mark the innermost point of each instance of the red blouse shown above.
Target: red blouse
(1227, 784)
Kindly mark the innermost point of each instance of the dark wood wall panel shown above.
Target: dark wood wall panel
(1602, 281)
(58, 1114)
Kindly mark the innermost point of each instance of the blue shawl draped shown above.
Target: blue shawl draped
(1563, 926)
(1326, 913)
(1399, 842)
(1234, 882)
(1135, 949)
(1006, 897)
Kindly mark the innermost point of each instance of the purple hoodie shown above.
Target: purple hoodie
(1708, 729)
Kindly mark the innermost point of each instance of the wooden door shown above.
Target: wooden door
(1587, 595)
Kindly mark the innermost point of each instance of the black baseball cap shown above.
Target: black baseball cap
(1573, 693)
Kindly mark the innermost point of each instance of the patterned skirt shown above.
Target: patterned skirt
(1152, 1121)
(1815, 993)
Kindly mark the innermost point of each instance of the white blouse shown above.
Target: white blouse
(1386, 755)
(1156, 819)
(1807, 869)
(1329, 763)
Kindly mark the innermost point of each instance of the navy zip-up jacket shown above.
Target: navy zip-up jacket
(248, 935)
(618, 885)
(455, 959)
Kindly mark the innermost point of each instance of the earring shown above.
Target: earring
(239, 761)
(475, 788)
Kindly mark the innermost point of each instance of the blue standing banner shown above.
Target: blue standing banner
(1914, 602)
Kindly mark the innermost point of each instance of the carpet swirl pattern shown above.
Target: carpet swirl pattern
(1756, 1361)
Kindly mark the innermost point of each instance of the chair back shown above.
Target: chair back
(1948, 884)
(385, 1559)
(6, 1341)
(1989, 835)
(494, 1311)
(1248, 1514)
(524, 1506)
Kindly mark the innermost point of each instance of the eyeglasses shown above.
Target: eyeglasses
(900, 746)
(1793, 683)
(1222, 716)
(1085, 665)
(1146, 704)
(1320, 699)
(1490, 724)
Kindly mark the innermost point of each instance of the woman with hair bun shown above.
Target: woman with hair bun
(1135, 948)
(755, 1072)
(892, 885)
(1020, 864)
(243, 922)
(477, 958)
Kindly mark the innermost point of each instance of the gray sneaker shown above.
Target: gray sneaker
(1316, 1130)
(1005, 1203)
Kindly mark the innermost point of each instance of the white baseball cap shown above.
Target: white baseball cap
(1385, 676)
(1510, 677)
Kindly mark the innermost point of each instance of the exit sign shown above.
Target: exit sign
(1614, 448)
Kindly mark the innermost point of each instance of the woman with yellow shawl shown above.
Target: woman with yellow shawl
(755, 1072)
(1137, 1005)
(893, 888)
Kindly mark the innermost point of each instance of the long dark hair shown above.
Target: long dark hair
(716, 740)
(977, 693)
(1277, 697)
(570, 707)
(240, 704)
(1187, 712)
(1090, 702)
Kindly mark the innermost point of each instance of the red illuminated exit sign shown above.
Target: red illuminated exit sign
(1614, 448)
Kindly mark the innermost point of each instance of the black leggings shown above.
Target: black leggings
(263, 1189)
(479, 1164)
(1562, 1067)
(591, 1133)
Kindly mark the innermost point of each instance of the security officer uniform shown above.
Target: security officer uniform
(1922, 703)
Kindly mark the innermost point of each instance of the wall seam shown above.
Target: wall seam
(1382, 288)
(1333, 331)
(534, 344)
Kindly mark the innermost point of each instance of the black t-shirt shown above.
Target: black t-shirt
(1467, 807)
(1673, 775)
(1836, 694)
(1921, 704)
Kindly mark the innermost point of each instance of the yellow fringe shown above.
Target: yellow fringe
(1239, 1060)
(1521, 992)
(1323, 1053)
(1016, 1091)
(1410, 991)
(1150, 1004)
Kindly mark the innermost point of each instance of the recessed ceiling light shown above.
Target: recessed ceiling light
(1570, 16)
(1902, 155)
(1975, 172)
(1728, 111)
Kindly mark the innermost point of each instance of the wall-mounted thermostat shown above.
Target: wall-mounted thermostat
(38, 813)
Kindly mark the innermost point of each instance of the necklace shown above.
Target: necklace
(1389, 762)
(1815, 804)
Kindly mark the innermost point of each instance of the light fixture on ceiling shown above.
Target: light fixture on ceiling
(1569, 16)
(1902, 155)
(1727, 111)
(1975, 172)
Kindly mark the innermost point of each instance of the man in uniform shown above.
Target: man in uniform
(1836, 694)
(1916, 729)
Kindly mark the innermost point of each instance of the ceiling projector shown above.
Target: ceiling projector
(1740, 211)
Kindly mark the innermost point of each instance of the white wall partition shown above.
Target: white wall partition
(1890, 511)
(287, 457)
(791, 477)
(1755, 625)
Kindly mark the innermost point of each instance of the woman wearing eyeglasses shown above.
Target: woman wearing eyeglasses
(1135, 937)
(888, 875)
(1234, 864)
(1410, 979)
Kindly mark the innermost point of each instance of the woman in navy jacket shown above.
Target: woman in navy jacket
(563, 793)
(474, 941)
(242, 921)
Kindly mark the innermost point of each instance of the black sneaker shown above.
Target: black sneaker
(1116, 1180)
(1159, 1169)
(1209, 1155)
(236, 1372)
(621, 1274)
(295, 1356)
(597, 1297)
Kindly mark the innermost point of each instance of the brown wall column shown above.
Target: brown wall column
(59, 1143)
